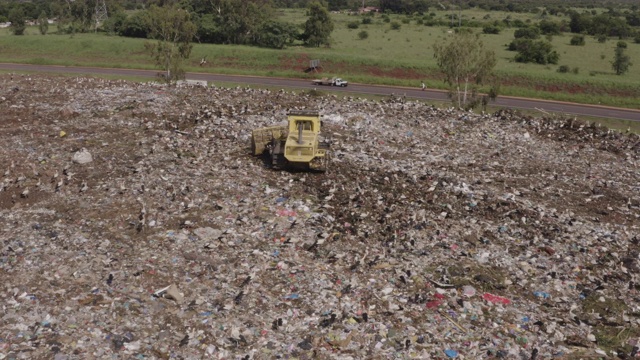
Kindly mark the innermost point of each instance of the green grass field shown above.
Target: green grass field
(394, 57)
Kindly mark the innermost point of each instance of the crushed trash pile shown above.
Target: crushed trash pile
(135, 224)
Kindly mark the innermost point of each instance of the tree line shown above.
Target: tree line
(246, 22)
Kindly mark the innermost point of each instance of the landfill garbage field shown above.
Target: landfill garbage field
(135, 224)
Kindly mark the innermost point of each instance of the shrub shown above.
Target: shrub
(363, 35)
(563, 69)
(419, 22)
(395, 25)
(602, 38)
(548, 27)
(367, 20)
(517, 44)
(637, 39)
(463, 30)
(577, 40)
(386, 18)
(575, 70)
(406, 20)
(353, 25)
(519, 23)
(491, 29)
(621, 44)
(540, 51)
(527, 33)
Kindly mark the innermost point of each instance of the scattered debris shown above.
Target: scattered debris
(434, 234)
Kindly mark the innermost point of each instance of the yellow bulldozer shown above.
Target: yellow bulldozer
(298, 145)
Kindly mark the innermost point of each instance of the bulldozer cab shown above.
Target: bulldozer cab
(308, 120)
(304, 124)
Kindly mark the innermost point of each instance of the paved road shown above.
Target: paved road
(504, 101)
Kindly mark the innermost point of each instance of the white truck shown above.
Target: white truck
(332, 82)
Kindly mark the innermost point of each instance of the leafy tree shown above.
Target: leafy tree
(633, 19)
(335, 5)
(18, 24)
(43, 23)
(76, 16)
(173, 31)
(136, 25)
(239, 22)
(536, 51)
(404, 6)
(114, 24)
(318, 28)
(579, 22)
(621, 61)
(208, 30)
(465, 64)
(276, 35)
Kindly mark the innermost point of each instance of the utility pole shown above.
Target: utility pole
(101, 12)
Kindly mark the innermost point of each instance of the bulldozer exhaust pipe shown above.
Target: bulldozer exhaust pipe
(300, 134)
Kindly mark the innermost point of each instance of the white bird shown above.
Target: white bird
(25, 193)
(84, 186)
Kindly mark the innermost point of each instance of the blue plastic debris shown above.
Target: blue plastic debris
(541, 294)
(451, 353)
(292, 297)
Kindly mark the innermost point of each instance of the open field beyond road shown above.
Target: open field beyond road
(401, 57)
